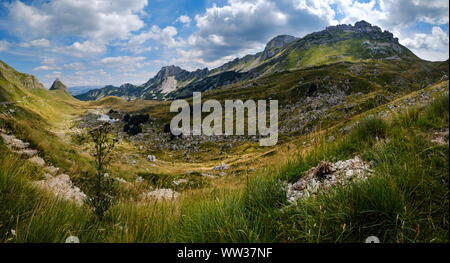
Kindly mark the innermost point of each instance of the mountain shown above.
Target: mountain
(58, 85)
(77, 90)
(168, 79)
(335, 44)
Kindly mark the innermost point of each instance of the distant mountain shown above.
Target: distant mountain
(77, 90)
(341, 43)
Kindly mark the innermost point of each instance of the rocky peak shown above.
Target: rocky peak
(363, 27)
(169, 71)
(275, 45)
(58, 85)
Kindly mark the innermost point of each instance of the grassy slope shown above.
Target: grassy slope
(405, 201)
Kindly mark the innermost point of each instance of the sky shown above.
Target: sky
(100, 42)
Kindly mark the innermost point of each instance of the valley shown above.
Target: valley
(362, 150)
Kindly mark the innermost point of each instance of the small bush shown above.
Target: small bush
(102, 190)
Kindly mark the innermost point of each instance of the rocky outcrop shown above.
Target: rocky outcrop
(58, 85)
(276, 45)
(328, 175)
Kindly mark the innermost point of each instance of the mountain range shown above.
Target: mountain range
(341, 43)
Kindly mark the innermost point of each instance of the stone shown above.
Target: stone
(180, 181)
(223, 166)
(37, 160)
(161, 194)
(52, 170)
(13, 142)
(26, 153)
(139, 179)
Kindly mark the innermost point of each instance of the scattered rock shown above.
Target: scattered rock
(441, 137)
(26, 153)
(151, 158)
(180, 181)
(12, 142)
(37, 160)
(139, 179)
(52, 170)
(221, 167)
(161, 194)
(209, 175)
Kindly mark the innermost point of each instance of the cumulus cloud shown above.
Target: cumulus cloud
(47, 64)
(242, 26)
(394, 14)
(98, 22)
(432, 46)
(165, 36)
(87, 47)
(184, 20)
(123, 63)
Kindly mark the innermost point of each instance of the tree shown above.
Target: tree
(102, 190)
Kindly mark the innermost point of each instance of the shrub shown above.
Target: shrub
(101, 189)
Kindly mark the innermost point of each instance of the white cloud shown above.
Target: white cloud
(40, 43)
(165, 36)
(432, 46)
(85, 18)
(47, 64)
(123, 63)
(43, 67)
(95, 21)
(87, 47)
(4, 45)
(101, 77)
(394, 14)
(120, 60)
(75, 66)
(184, 20)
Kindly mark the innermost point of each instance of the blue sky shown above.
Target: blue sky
(99, 42)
